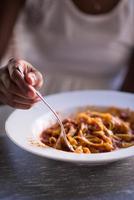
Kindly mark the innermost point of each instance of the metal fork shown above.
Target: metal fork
(62, 134)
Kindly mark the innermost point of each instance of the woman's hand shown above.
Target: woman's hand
(16, 89)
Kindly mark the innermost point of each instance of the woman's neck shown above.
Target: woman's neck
(96, 6)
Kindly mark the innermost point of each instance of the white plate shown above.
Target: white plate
(24, 125)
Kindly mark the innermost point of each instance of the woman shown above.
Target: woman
(79, 44)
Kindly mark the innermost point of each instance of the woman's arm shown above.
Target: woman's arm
(128, 84)
(9, 11)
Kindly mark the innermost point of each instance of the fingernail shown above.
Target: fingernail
(20, 68)
(11, 59)
(32, 79)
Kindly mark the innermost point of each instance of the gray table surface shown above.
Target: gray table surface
(24, 176)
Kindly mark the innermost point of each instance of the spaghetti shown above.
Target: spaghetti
(94, 131)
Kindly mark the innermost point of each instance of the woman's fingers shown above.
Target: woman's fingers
(21, 100)
(16, 101)
(9, 94)
(18, 78)
(26, 89)
(28, 73)
(17, 82)
(16, 104)
(11, 87)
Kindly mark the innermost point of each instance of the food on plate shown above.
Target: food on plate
(94, 130)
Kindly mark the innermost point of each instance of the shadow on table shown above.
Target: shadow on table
(31, 177)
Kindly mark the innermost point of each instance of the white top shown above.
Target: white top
(64, 42)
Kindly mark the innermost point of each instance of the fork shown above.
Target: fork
(62, 133)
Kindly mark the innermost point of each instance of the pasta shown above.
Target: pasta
(96, 131)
